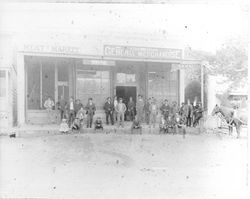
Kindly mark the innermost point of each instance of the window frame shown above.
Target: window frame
(95, 69)
(5, 82)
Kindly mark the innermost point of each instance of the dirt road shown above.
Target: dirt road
(123, 166)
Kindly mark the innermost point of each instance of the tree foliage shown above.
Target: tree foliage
(230, 60)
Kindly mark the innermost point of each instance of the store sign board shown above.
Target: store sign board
(98, 62)
(142, 52)
(51, 49)
(176, 67)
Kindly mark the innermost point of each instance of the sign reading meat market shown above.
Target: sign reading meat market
(142, 52)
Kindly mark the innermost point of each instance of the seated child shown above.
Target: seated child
(136, 125)
(75, 125)
(64, 128)
(98, 123)
(80, 115)
(163, 125)
(180, 123)
(170, 124)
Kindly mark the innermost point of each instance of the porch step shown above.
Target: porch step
(53, 129)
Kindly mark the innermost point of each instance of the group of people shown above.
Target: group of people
(74, 112)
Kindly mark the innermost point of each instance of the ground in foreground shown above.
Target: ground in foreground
(123, 166)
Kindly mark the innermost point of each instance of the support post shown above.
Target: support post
(56, 82)
(202, 84)
(21, 93)
(41, 84)
(181, 86)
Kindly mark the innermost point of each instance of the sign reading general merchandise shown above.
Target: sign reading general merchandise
(142, 52)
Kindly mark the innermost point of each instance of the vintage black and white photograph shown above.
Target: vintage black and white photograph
(124, 99)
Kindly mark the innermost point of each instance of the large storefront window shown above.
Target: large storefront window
(93, 82)
(3, 85)
(124, 78)
(33, 67)
(162, 83)
(48, 79)
(41, 80)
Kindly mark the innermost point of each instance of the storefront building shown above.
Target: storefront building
(97, 70)
(8, 103)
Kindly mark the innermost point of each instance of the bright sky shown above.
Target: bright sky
(201, 26)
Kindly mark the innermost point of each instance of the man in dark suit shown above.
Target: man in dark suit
(131, 109)
(109, 109)
(188, 112)
(62, 106)
(165, 109)
(71, 111)
(90, 111)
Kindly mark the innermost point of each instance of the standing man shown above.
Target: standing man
(165, 109)
(139, 108)
(131, 109)
(109, 109)
(62, 107)
(120, 109)
(181, 110)
(78, 106)
(198, 112)
(90, 111)
(115, 102)
(49, 104)
(147, 110)
(188, 112)
(153, 112)
(174, 110)
(71, 111)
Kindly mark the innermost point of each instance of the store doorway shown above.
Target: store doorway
(125, 92)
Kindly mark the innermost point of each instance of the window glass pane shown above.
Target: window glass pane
(130, 78)
(2, 83)
(63, 72)
(95, 84)
(48, 79)
(174, 75)
(33, 83)
(121, 78)
(162, 84)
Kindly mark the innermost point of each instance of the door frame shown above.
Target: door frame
(136, 90)
(135, 84)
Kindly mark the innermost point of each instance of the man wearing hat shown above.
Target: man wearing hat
(198, 110)
(109, 108)
(71, 110)
(140, 108)
(90, 111)
(120, 109)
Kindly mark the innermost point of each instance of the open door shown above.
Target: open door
(125, 92)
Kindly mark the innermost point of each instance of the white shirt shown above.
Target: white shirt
(115, 103)
(71, 106)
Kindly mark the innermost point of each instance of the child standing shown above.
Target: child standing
(64, 128)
